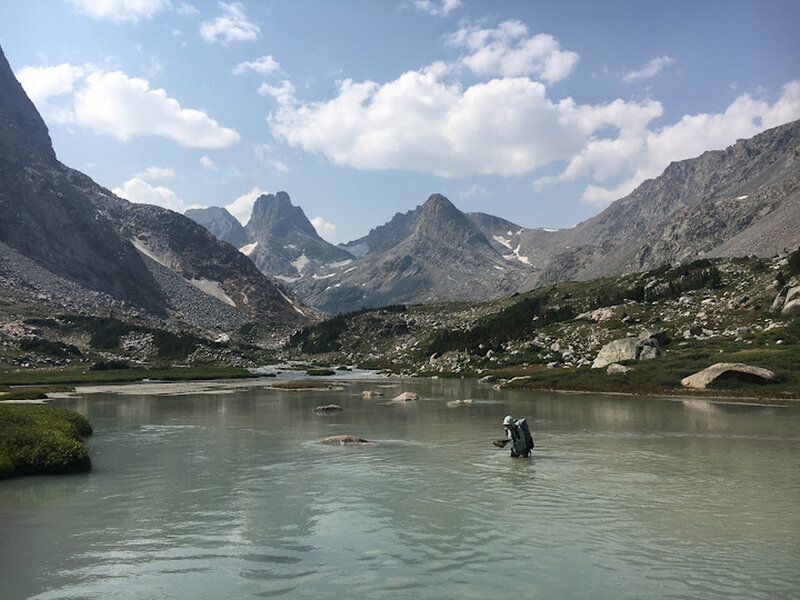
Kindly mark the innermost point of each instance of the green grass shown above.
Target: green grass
(38, 440)
(664, 374)
(42, 377)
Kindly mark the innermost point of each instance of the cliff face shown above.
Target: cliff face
(45, 218)
(284, 243)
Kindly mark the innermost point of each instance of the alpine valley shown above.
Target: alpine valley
(694, 266)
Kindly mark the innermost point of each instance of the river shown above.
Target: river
(226, 493)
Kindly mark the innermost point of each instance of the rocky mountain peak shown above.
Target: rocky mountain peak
(222, 224)
(275, 216)
(439, 218)
(23, 134)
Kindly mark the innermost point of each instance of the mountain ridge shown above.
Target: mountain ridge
(81, 232)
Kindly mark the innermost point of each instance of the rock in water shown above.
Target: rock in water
(703, 378)
(406, 397)
(328, 408)
(347, 440)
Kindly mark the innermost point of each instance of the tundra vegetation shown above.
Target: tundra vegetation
(38, 440)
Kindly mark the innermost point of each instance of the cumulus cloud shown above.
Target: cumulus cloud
(651, 69)
(43, 83)
(208, 164)
(507, 123)
(509, 51)
(119, 11)
(139, 191)
(422, 123)
(232, 26)
(242, 207)
(119, 105)
(437, 9)
(325, 230)
(263, 65)
(653, 150)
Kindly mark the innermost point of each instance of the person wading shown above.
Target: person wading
(518, 434)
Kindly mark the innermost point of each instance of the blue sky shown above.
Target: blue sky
(539, 112)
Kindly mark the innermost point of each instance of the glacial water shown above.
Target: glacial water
(227, 494)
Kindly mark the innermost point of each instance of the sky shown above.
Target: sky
(539, 112)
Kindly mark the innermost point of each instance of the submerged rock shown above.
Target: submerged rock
(328, 408)
(406, 397)
(703, 378)
(347, 440)
(454, 403)
(371, 394)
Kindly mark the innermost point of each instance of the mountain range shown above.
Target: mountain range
(739, 201)
(69, 242)
(133, 258)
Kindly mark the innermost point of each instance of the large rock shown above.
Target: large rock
(630, 348)
(703, 378)
(791, 305)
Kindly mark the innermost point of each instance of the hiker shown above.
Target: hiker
(519, 435)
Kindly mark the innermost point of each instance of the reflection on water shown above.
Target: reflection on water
(229, 495)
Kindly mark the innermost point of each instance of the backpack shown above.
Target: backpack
(523, 424)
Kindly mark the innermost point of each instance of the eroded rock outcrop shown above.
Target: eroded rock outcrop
(701, 379)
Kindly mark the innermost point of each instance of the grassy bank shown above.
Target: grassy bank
(73, 376)
(663, 375)
(38, 440)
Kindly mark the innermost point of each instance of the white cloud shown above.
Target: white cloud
(419, 122)
(208, 164)
(242, 207)
(284, 93)
(156, 173)
(507, 50)
(693, 135)
(325, 230)
(118, 11)
(232, 26)
(437, 9)
(651, 69)
(263, 65)
(122, 106)
(139, 191)
(43, 83)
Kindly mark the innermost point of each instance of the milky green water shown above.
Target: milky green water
(229, 496)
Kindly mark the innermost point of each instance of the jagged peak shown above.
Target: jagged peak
(275, 214)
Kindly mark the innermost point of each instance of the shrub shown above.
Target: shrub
(109, 365)
(174, 346)
(42, 440)
(42, 346)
